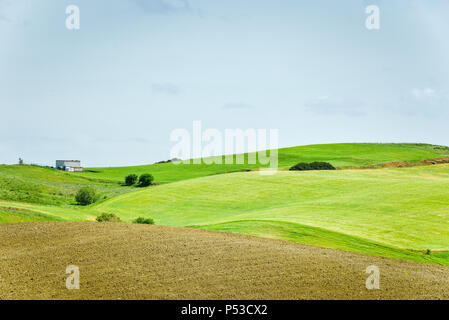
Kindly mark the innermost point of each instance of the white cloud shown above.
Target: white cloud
(425, 101)
(423, 93)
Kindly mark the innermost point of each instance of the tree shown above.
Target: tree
(141, 220)
(108, 217)
(312, 166)
(301, 166)
(145, 180)
(20, 161)
(131, 179)
(86, 196)
(322, 166)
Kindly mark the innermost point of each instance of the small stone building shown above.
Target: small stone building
(69, 165)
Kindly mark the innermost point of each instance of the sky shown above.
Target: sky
(110, 93)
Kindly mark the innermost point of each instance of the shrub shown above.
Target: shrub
(428, 252)
(300, 167)
(145, 180)
(108, 217)
(312, 166)
(322, 166)
(131, 179)
(141, 220)
(86, 196)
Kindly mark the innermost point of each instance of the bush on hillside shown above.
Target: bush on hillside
(301, 166)
(141, 220)
(322, 166)
(131, 179)
(145, 180)
(108, 217)
(312, 166)
(86, 196)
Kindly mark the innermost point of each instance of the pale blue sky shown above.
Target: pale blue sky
(111, 92)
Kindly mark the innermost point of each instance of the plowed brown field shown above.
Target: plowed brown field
(125, 261)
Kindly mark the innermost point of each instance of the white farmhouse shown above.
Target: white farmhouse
(69, 165)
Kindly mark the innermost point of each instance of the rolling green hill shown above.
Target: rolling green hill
(340, 155)
(398, 213)
(9, 214)
(39, 185)
(37, 212)
(33, 184)
(400, 209)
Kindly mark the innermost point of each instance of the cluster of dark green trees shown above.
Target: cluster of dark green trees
(144, 180)
(302, 166)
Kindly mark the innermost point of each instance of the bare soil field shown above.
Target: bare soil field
(125, 261)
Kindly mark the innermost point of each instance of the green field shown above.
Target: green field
(340, 155)
(398, 208)
(399, 213)
(9, 214)
(38, 185)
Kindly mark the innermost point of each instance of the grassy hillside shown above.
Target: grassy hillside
(50, 213)
(340, 155)
(405, 209)
(397, 213)
(9, 214)
(33, 184)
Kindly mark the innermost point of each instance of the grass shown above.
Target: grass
(66, 213)
(38, 185)
(398, 213)
(339, 155)
(9, 215)
(324, 238)
(402, 209)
